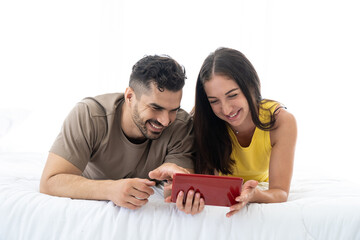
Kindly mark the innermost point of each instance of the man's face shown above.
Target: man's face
(155, 111)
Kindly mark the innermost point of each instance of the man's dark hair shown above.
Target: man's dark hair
(163, 71)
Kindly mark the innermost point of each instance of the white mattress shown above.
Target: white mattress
(316, 209)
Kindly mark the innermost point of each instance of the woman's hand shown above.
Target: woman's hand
(194, 204)
(246, 196)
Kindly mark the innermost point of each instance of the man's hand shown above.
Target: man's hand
(62, 178)
(166, 171)
(131, 193)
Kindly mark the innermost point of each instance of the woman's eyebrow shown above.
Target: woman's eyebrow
(234, 89)
(228, 92)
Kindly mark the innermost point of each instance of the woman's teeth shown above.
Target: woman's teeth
(233, 114)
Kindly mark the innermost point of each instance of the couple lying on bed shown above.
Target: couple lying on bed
(113, 146)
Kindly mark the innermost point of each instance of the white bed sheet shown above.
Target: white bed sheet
(316, 209)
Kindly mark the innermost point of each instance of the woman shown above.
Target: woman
(238, 133)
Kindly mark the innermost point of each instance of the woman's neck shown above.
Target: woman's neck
(244, 132)
(244, 128)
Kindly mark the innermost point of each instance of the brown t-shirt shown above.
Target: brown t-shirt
(91, 138)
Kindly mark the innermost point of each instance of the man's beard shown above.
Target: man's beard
(142, 125)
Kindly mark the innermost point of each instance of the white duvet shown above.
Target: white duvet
(316, 209)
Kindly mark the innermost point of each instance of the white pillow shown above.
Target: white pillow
(5, 124)
(29, 131)
(10, 118)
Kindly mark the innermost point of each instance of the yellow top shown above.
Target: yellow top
(252, 162)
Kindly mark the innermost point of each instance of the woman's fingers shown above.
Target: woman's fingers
(194, 204)
(180, 200)
(198, 204)
(189, 201)
(236, 208)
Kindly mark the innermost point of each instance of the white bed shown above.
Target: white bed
(318, 208)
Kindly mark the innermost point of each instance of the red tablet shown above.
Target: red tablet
(216, 190)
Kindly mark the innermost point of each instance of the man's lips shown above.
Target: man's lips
(155, 127)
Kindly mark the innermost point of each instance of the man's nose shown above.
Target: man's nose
(164, 119)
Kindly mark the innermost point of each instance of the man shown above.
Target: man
(111, 146)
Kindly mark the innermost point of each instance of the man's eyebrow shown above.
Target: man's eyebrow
(154, 105)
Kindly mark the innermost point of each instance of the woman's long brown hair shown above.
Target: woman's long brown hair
(213, 141)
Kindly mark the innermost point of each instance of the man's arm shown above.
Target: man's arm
(61, 178)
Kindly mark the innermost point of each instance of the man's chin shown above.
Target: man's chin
(154, 135)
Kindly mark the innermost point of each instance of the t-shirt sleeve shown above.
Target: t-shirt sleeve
(77, 138)
(181, 148)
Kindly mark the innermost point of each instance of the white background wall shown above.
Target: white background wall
(54, 53)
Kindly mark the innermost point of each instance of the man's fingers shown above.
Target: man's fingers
(161, 173)
(154, 174)
(168, 199)
(146, 181)
(167, 186)
(137, 202)
(138, 190)
(138, 194)
(166, 171)
(131, 193)
(131, 202)
(143, 185)
(131, 206)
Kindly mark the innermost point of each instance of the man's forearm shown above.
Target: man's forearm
(75, 186)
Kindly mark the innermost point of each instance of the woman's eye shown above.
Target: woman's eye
(213, 101)
(233, 95)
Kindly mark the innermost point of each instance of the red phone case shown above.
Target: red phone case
(216, 190)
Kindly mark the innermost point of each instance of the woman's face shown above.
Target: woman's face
(227, 100)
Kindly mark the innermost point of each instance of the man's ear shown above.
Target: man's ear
(129, 94)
